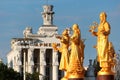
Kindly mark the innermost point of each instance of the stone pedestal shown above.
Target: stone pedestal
(76, 79)
(105, 77)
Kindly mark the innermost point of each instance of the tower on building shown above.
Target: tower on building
(47, 15)
(48, 28)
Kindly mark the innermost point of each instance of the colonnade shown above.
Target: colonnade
(17, 62)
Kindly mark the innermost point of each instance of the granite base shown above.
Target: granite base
(105, 77)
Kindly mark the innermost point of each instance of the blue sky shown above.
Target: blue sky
(16, 15)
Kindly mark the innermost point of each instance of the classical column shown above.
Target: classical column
(55, 65)
(10, 61)
(42, 63)
(24, 66)
(18, 60)
(9, 64)
(30, 61)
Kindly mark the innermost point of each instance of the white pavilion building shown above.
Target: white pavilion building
(34, 52)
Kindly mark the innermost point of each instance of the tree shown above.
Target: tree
(34, 76)
(8, 73)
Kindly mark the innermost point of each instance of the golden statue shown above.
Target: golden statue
(103, 44)
(72, 50)
(75, 67)
(64, 50)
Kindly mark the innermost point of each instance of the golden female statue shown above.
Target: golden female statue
(71, 59)
(75, 67)
(103, 45)
(63, 49)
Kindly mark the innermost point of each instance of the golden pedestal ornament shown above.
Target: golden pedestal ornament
(105, 73)
(76, 77)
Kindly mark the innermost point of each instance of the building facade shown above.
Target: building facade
(34, 52)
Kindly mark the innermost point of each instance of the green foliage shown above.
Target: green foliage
(8, 73)
(34, 76)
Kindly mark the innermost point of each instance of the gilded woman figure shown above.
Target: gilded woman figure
(63, 50)
(102, 39)
(75, 67)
